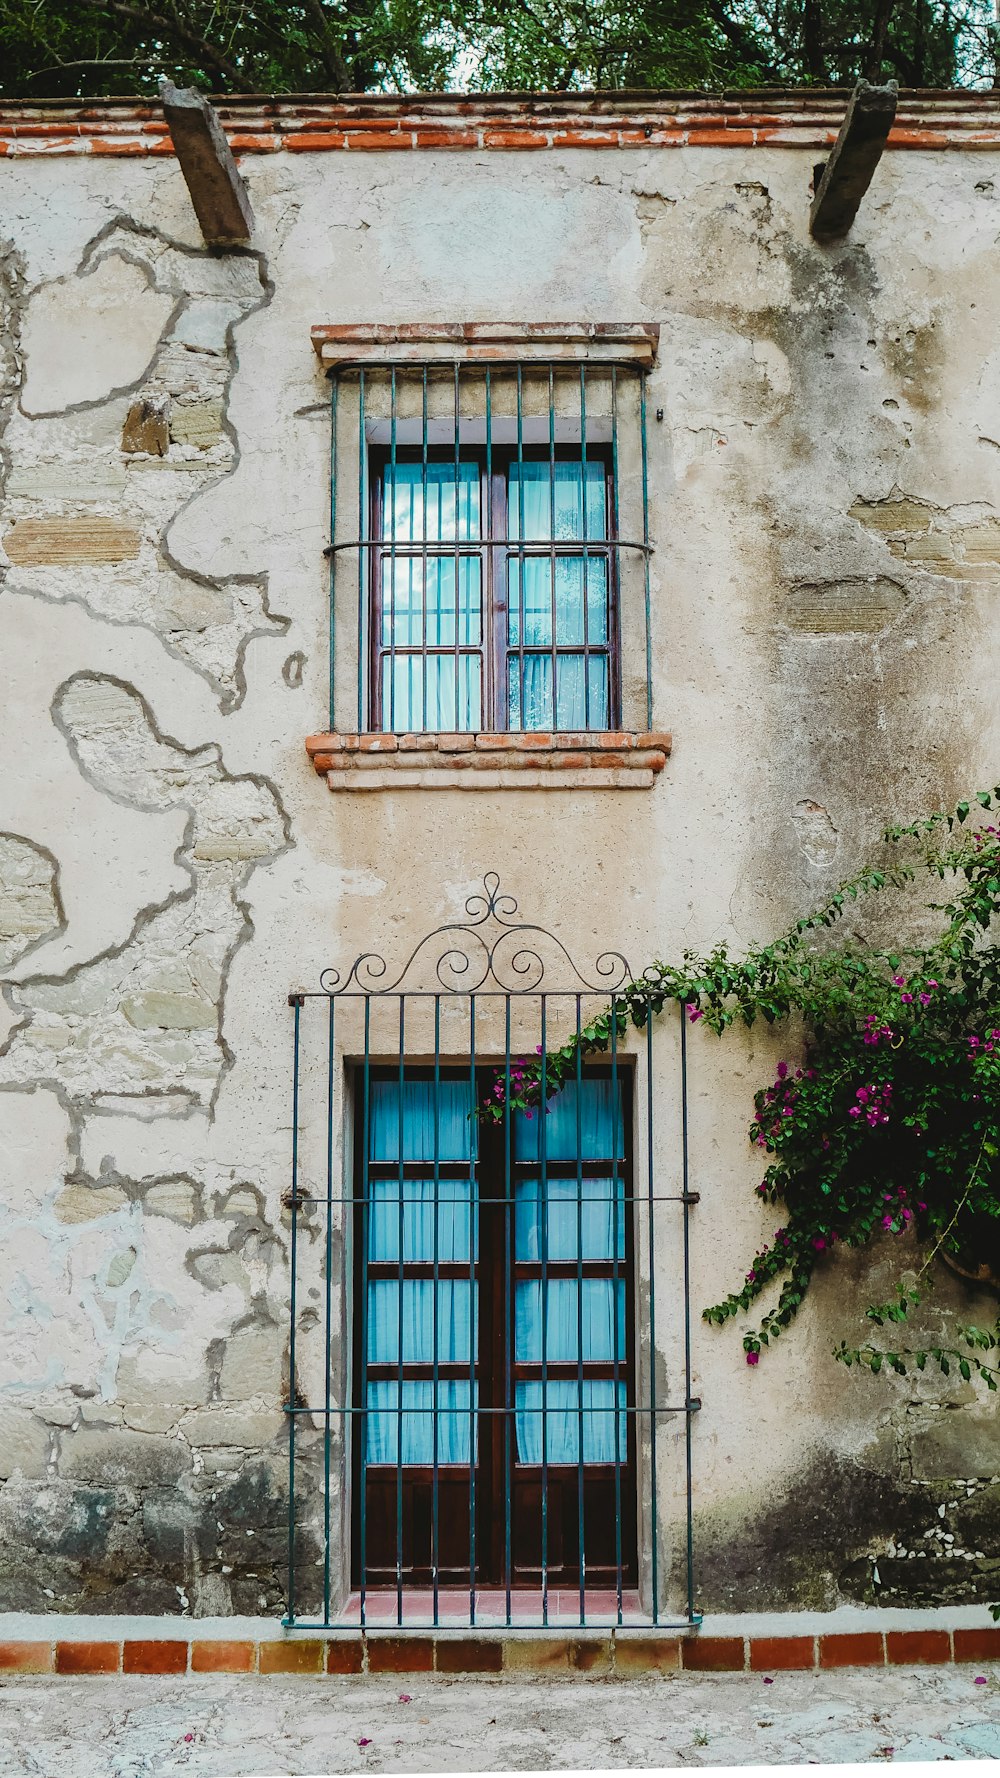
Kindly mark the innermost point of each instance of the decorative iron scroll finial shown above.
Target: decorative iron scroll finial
(490, 952)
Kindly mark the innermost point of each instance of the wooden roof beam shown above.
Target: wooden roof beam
(219, 196)
(857, 151)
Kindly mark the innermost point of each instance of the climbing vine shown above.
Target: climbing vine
(889, 1121)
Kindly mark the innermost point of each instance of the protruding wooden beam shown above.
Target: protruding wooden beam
(856, 153)
(218, 193)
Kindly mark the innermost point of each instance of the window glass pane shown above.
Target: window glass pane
(431, 692)
(412, 488)
(529, 590)
(455, 1123)
(592, 1219)
(454, 1422)
(530, 704)
(418, 1202)
(535, 485)
(455, 1328)
(563, 1399)
(415, 617)
(562, 1307)
(602, 1128)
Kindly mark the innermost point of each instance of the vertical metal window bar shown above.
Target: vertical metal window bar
(521, 687)
(424, 712)
(365, 1246)
(586, 558)
(544, 1218)
(654, 1550)
(332, 577)
(364, 549)
(328, 1292)
(435, 1328)
(580, 1507)
(615, 1116)
(645, 548)
(293, 1265)
(400, 1385)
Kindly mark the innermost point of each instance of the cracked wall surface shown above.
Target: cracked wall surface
(825, 512)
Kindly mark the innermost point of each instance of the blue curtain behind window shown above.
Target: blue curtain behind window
(583, 1220)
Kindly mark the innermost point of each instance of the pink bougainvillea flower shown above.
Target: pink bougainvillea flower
(768, 1681)
(364, 1740)
(404, 1698)
(819, 1243)
(782, 1070)
(753, 1357)
(694, 1014)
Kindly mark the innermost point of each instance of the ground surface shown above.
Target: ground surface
(232, 1728)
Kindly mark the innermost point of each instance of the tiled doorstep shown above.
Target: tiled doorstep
(53, 1644)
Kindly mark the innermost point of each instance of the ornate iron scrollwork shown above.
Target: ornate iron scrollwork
(490, 952)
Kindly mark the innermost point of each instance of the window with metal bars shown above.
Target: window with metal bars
(493, 597)
(497, 515)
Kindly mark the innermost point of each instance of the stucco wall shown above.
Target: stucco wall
(826, 515)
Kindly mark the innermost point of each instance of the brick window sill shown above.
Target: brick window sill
(615, 761)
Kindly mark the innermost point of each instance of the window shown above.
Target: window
(493, 1308)
(493, 597)
(489, 547)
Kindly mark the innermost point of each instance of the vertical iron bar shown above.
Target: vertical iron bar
(543, 1155)
(334, 397)
(473, 1316)
(392, 564)
(612, 591)
(586, 553)
(552, 548)
(521, 689)
(489, 595)
(686, 1223)
(331, 1044)
(645, 553)
(615, 1115)
(365, 1201)
(435, 1396)
(293, 1259)
(652, 1302)
(508, 1288)
(399, 1394)
(425, 722)
(365, 556)
(581, 1548)
(457, 528)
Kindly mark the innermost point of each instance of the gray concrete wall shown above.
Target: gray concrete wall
(826, 515)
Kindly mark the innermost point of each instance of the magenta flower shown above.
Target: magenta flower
(753, 1357)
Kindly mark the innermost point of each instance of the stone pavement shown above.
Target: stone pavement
(231, 1727)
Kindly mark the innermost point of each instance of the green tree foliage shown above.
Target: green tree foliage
(86, 48)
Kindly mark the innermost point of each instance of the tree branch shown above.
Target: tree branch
(156, 22)
(330, 51)
(876, 53)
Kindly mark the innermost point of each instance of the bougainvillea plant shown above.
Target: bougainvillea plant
(889, 1120)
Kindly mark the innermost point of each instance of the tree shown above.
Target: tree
(87, 48)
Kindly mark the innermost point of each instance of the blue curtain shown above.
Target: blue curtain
(418, 1417)
(582, 1220)
(562, 1421)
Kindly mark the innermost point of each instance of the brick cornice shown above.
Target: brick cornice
(502, 342)
(316, 123)
(531, 761)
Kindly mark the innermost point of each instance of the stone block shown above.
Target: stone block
(69, 481)
(344, 1654)
(253, 1364)
(957, 1442)
(197, 423)
(71, 542)
(175, 1198)
(843, 607)
(147, 427)
(216, 1426)
(863, 1649)
(165, 1011)
(189, 606)
(468, 1654)
(25, 1657)
(85, 1203)
(25, 1443)
(651, 1654)
(892, 515)
(178, 1531)
(107, 1455)
(911, 1648)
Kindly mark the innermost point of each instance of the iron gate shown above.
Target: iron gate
(490, 1401)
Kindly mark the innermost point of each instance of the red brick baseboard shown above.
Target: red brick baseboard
(608, 1653)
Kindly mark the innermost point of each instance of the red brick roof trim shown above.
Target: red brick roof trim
(448, 121)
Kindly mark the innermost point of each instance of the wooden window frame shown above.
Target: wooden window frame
(494, 550)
